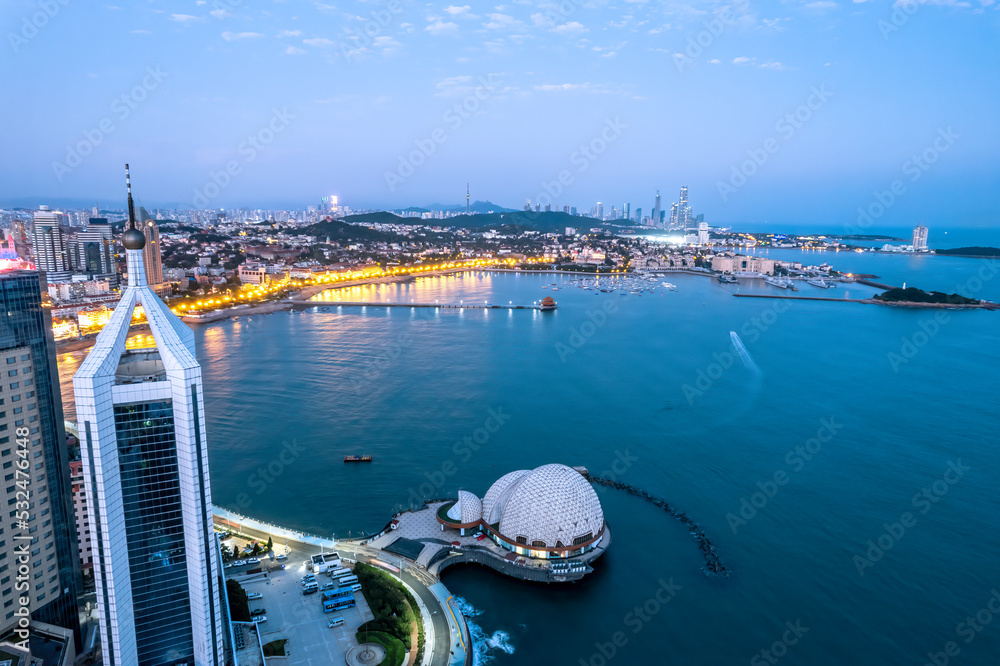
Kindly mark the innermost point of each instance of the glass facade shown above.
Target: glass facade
(154, 527)
(25, 323)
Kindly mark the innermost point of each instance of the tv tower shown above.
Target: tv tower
(467, 209)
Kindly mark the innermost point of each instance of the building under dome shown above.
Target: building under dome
(548, 512)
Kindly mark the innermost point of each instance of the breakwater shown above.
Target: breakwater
(713, 563)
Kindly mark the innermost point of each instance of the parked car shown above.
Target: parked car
(253, 560)
(281, 556)
(328, 586)
(259, 618)
(255, 595)
(257, 611)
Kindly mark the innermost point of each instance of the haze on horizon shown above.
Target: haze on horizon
(305, 104)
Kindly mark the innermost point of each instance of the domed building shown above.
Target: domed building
(548, 512)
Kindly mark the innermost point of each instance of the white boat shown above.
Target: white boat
(671, 287)
(819, 282)
(780, 283)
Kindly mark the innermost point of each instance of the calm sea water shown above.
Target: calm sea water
(899, 398)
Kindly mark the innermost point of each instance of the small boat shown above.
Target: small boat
(357, 459)
(727, 279)
(671, 287)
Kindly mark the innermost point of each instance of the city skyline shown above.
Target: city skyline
(508, 99)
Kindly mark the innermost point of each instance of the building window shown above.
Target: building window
(583, 539)
(538, 544)
(522, 540)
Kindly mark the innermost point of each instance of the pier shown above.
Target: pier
(380, 304)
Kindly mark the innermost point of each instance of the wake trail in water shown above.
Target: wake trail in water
(744, 355)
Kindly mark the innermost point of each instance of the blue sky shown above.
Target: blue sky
(284, 102)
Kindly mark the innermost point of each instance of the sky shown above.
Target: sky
(818, 112)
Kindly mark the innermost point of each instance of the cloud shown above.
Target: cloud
(236, 36)
(320, 42)
(772, 65)
(570, 28)
(465, 11)
(294, 50)
(742, 60)
(290, 33)
(220, 13)
(502, 22)
(388, 45)
(821, 4)
(439, 27)
(183, 18)
(714, 61)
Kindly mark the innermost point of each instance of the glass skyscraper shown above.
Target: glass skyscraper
(31, 418)
(140, 412)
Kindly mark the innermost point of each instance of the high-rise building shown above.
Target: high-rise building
(920, 238)
(572, 210)
(703, 235)
(81, 517)
(92, 251)
(600, 211)
(151, 254)
(32, 431)
(145, 462)
(628, 212)
(566, 208)
(51, 251)
(638, 214)
(656, 210)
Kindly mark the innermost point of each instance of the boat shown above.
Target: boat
(780, 283)
(727, 279)
(357, 459)
(819, 282)
(671, 287)
(547, 304)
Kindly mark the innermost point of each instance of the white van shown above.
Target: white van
(347, 581)
(356, 587)
(335, 622)
(254, 595)
(339, 572)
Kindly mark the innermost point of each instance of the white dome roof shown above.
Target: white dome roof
(468, 508)
(552, 504)
(496, 496)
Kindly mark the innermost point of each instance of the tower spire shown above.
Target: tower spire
(467, 209)
(131, 206)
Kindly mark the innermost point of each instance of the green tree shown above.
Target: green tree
(239, 605)
(270, 544)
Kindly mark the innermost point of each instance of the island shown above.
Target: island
(913, 295)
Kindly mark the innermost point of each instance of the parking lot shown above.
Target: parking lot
(300, 618)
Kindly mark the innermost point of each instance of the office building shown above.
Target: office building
(32, 430)
(141, 417)
(51, 251)
(81, 517)
(151, 254)
(600, 211)
(656, 210)
(920, 238)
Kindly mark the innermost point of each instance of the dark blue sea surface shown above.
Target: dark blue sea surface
(846, 465)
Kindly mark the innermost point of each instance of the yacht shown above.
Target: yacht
(820, 282)
(780, 283)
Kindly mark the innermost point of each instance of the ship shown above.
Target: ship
(357, 459)
(821, 283)
(547, 304)
(727, 279)
(780, 283)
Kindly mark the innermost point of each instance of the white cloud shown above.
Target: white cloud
(821, 4)
(772, 65)
(320, 42)
(183, 18)
(220, 13)
(290, 33)
(571, 28)
(464, 11)
(714, 61)
(388, 45)
(742, 60)
(502, 22)
(294, 50)
(236, 36)
(439, 27)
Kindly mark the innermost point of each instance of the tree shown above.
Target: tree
(270, 544)
(256, 548)
(239, 605)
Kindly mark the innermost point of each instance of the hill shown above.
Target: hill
(353, 227)
(914, 295)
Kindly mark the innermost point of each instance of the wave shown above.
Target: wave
(484, 645)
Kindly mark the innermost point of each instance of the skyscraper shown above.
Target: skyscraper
(920, 238)
(600, 211)
(93, 251)
(656, 210)
(51, 252)
(145, 460)
(31, 425)
(151, 256)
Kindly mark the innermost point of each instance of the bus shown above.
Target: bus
(347, 581)
(337, 594)
(333, 605)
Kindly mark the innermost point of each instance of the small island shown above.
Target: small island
(973, 251)
(914, 295)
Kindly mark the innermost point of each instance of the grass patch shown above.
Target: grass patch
(275, 648)
(395, 651)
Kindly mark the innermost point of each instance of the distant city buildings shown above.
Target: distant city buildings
(81, 513)
(51, 253)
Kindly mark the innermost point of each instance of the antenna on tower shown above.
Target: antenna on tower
(467, 209)
(131, 207)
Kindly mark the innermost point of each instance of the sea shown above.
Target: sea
(842, 457)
